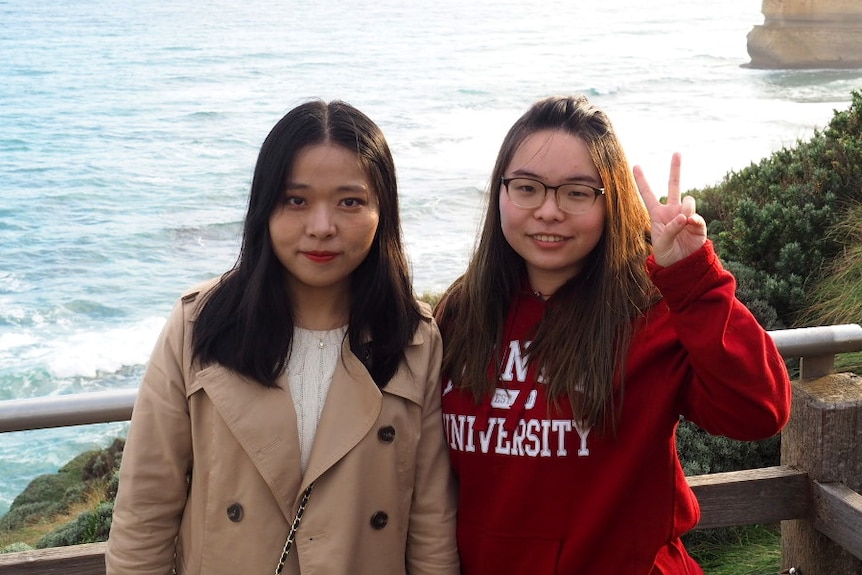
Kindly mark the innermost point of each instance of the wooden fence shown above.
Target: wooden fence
(814, 493)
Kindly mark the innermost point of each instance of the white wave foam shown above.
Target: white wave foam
(11, 282)
(88, 353)
(12, 341)
(11, 309)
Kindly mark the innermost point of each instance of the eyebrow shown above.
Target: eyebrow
(573, 179)
(347, 188)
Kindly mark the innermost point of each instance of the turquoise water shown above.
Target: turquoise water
(128, 134)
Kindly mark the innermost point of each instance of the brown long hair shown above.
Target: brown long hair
(583, 338)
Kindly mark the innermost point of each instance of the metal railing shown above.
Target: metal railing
(816, 346)
(66, 410)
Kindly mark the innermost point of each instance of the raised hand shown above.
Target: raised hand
(677, 229)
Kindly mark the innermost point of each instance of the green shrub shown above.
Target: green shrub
(430, 298)
(15, 548)
(770, 220)
(50, 495)
(91, 526)
(702, 453)
(24, 514)
(104, 462)
(45, 496)
(50, 487)
(113, 484)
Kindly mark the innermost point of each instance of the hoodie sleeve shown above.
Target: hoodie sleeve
(738, 384)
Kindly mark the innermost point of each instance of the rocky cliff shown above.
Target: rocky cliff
(808, 34)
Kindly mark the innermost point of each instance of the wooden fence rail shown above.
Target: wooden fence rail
(814, 493)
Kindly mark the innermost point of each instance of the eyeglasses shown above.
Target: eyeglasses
(571, 198)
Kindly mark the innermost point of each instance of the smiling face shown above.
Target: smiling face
(553, 243)
(324, 225)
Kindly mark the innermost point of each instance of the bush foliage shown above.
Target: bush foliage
(48, 496)
(91, 526)
(771, 221)
(703, 453)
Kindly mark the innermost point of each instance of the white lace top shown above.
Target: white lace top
(309, 372)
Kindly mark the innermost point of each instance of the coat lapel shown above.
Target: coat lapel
(352, 406)
(263, 420)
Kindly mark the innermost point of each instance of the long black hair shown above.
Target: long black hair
(247, 320)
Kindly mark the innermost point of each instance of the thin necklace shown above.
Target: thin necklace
(328, 336)
(539, 294)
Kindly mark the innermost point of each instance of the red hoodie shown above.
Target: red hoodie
(541, 494)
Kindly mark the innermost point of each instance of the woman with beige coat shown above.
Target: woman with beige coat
(289, 419)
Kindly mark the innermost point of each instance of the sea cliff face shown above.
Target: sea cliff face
(808, 34)
(69, 507)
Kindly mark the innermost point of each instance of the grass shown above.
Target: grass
(749, 550)
(32, 532)
(837, 297)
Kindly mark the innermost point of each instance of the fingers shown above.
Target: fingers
(643, 187)
(673, 190)
(688, 216)
(689, 206)
(697, 224)
(673, 184)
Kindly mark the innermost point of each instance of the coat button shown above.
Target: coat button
(379, 520)
(234, 512)
(386, 434)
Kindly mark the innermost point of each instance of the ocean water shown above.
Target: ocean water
(129, 131)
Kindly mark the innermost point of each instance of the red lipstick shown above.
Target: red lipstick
(320, 257)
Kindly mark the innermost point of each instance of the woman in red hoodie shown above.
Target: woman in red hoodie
(590, 319)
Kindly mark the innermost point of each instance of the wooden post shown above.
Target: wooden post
(824, 439)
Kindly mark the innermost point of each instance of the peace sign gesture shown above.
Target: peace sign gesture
(677, 229)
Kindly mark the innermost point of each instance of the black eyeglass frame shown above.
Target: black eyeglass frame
(597, 191)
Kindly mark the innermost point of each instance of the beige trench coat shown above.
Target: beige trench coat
(211, 472)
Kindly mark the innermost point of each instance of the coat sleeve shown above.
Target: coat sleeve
(737, 383)
(431, 543)
(157, 459)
